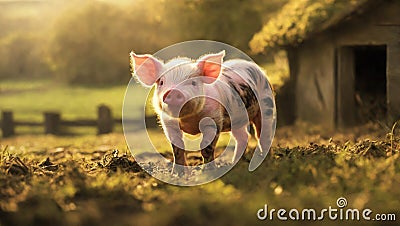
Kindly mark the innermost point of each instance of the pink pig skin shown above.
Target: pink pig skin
(190, 93)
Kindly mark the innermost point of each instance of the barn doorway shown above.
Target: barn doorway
(370, 83)
(361, 84)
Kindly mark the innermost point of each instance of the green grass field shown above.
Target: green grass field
(81, 180)
(29, 99)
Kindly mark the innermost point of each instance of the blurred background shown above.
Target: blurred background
(70, 56)
(88, 42)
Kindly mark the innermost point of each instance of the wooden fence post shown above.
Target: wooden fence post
(7, 124)
(51, 122)
(151, 121)
(104, 120)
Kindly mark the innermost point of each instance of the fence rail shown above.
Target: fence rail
(53, 122)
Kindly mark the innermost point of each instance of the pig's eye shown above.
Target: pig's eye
(161, 83)
(194, 83)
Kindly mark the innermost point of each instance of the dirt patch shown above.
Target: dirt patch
(81, 182)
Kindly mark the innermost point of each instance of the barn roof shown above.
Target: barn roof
(298, 19)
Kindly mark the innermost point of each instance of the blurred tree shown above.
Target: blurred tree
(233, 22)
(91, 45)
(22, 56)
(23, 38)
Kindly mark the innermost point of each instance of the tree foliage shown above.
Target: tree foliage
(298, 18)
(233, 22)
(89, 42)
(23, 39)
(91, 45)
(22, 54)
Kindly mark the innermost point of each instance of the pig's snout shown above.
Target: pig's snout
(174, 97)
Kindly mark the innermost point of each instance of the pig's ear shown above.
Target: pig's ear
(211, 64)
(146, 67)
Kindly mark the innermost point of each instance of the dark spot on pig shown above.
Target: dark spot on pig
(239, 101)
(247, 95)
(209, 126)
(227, 76)
(238, 93)
(233, 86)
(268, 101)
(239, 122)
(268, 112)
(253, 74)
(226, 124)
(267, 86)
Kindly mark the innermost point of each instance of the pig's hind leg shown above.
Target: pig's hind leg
(264, 123)
(242, 137)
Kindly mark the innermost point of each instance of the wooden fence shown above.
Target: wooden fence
(52, 122)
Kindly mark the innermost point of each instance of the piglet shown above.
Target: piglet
(210, 96)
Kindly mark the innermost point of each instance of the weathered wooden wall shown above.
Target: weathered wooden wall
(321, 56)
(315, 82)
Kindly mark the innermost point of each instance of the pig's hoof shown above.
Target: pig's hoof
(210, 166)
(179, 170)
(257, 159)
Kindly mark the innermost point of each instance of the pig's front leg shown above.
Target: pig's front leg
(175, 136)
(208, 147)
(210, 138)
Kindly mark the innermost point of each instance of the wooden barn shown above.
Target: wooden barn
(344, 60)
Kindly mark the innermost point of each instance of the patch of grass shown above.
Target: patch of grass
(83, 181)
(15, 86)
